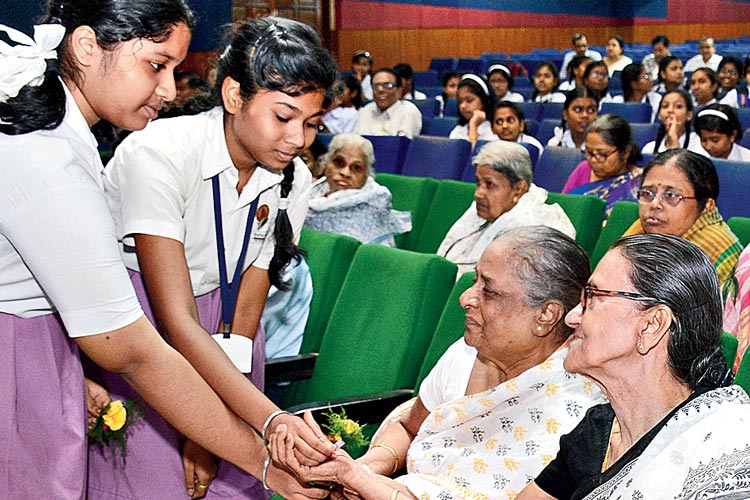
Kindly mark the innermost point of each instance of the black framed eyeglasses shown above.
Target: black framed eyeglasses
(590, 291)
(600, 156)
(671, 198)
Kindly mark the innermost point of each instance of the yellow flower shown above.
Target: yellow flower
(350, 426)
(115, 416)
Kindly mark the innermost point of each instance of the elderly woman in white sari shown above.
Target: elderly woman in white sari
(504, 198)
(489, 415)
(648, 331)
(349, 201)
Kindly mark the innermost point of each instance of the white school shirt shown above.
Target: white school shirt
(402, 118)
(694, 145)
(739, 153)
(551, 97)
(58, 249)
(484, 132)
(159, 183)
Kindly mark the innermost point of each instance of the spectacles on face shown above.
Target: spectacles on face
(731, 72)
(590, 291)
(384, 86)
(599, 74)
(600, 156)
(645, 76)
(646, 196)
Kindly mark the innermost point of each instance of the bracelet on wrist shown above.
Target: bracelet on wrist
(266, 464)
(268, 422)
(393, 452)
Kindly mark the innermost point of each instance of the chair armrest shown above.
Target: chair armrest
(369, 408)
(290, 368)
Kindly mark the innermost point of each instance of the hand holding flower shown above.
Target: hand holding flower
(97, 398)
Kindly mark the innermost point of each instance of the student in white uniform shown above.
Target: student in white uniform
(546, 81)
(62, 282)
(228, 175)
(509, 124)
(475, 107)
(675, 113)
(719, 130)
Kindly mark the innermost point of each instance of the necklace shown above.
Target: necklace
(615, 431)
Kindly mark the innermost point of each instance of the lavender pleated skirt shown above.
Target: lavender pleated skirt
(42, 411)
(152, 467)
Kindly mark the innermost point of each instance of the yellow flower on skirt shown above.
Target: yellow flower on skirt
(115, 416)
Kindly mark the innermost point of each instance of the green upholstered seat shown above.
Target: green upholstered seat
(623, 215)
(413, 194)
(740, 226)
(380, 326)
(451, 200)
(585, 213)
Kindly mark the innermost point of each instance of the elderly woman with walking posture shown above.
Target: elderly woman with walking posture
(489, 414)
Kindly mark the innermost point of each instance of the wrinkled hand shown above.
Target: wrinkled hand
(97, 398)
(200, 469)
(311, 446)
(286, 485)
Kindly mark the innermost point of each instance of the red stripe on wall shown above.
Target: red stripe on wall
(707, 11)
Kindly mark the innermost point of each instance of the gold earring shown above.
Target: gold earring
(515, 199)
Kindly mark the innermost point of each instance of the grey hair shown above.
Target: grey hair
(678, 274)
(509, 158)
(550, 265)
(342, 140)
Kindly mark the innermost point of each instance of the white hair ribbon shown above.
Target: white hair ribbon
(24, 64)
(283, 203)
(498, 67)
(713, 112)
(473, 77)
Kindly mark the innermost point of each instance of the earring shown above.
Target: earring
(641, 348)
(539, 328)
(515, 199)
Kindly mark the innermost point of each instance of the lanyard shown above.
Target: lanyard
(229, 290)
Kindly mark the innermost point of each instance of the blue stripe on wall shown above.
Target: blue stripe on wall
(612, 8)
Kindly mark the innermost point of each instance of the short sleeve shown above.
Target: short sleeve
(449, 377)
(66, 238)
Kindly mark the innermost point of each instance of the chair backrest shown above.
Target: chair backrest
(532, 127)
(390, 152)
(449, 329)
(429, 78)
(471, 65)
(585, 213)
(622, 216)
(745, 141)
(324, 138)
(743, 114)
(552, 111)
(413, 194)
(437, 157)
(429, 108)
(381, 325)
(634, 112)
(470, 172)
(328, 257)
(734, 185)
(443, 64)
(546, 130)
(533, 153)
(451, 107)
(451, 200)
(531, 110)
(441, 126)
(555, 166)
(643, 133)
(740, 226)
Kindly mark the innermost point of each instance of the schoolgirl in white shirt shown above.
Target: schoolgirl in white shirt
(675, 113)
(719, 130)
(475, 105)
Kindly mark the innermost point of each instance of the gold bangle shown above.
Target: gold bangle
(395, 457)
(474, 138)
(394, 494)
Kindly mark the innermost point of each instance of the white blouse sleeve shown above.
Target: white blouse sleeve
(450, 376)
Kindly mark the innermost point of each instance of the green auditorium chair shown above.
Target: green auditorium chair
(585, 213)
(623, 215)
(743, 372)
(740, 226)
(412, 194)
(729, 348)
(451, 200)
(380, 326)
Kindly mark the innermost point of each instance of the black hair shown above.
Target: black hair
(574, 63)
(406, 72)
(662, 39)
(515, 109)
(447, 75)
(555, 75)
(390, 71)
(487, 97)
(699, 170)
(589, 69)
(736, 61)
(712, 123)
(353, 84)
(578, 36)
(279, 55)
(663, 66)
(711, 74)
(583, 92)
(505, 72)
(113, 22)
(678, 274)
(662, 132)
(362, 53)
(630, 74)
(619, 39)
(616, 131)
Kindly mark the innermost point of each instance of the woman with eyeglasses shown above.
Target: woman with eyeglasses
(636, 87)
(677, 196)
(733, 74)
(609, 170)
(675, 113)
(648, 332)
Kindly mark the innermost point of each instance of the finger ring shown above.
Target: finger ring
(203, 486)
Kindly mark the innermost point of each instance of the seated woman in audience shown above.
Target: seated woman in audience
(504, 198)
(675, 113)
(580, 108)
(496, 403)
(449, 81)
(348, 200)
(719, 130)
(546, 81)
(636, 87)
(501, 80)
(576, 69)
(596, 78)
(704, 87)
(733, 91)
(346, 99)
(361, 68)
(475, 105)
(614, 59)
(671, 76)
(678, 196)
(648, 331)
(509, 125)
(609, 170)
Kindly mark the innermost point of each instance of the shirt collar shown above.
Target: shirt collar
(76, 121)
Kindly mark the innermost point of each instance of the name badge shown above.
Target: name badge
(239, 349)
